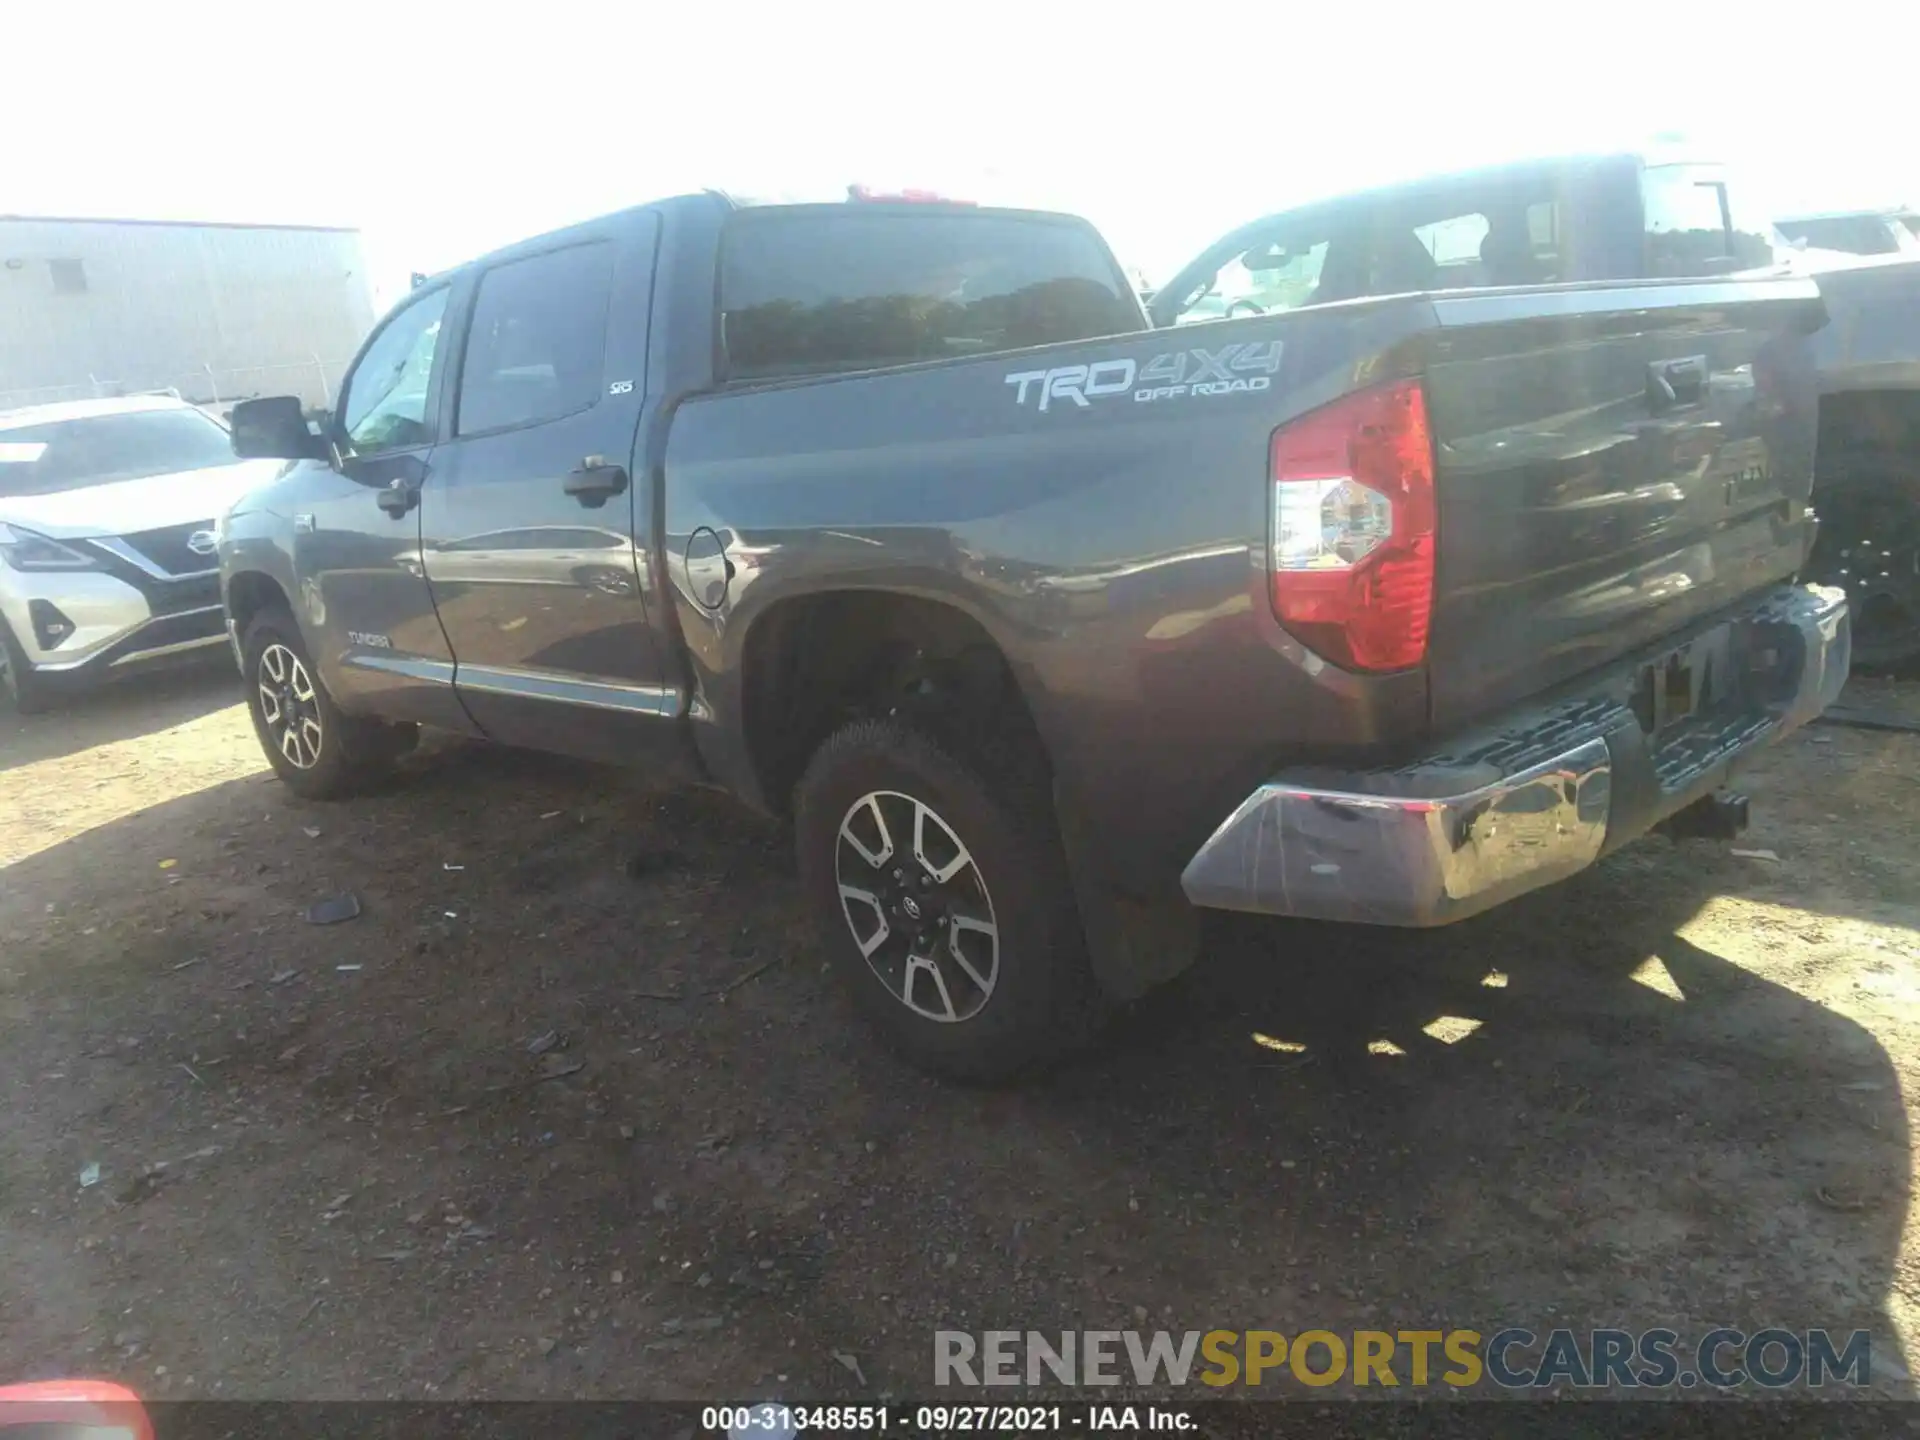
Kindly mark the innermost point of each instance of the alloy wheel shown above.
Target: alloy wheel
(289, 706)
(917, 906)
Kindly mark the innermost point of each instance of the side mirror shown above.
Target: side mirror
(274, 429)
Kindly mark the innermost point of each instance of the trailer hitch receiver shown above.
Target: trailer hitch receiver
(1719, 816)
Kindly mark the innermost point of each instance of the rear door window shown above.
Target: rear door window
(538, 340)
(811, 291)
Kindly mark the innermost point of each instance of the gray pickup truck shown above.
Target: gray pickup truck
(1049, 630)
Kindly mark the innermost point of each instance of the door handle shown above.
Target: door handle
(1672, 383)
(594, 481)
(398, 498)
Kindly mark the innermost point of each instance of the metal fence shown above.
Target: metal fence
(315, 380)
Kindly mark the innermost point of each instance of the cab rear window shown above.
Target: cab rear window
(807, 291)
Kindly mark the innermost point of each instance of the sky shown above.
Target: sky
(441, 130)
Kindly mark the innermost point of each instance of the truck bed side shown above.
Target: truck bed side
(1114, 545)
(1114, 551)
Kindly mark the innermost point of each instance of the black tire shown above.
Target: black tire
(1869, 546)
(1041, 1004)
(21, 685)
(335, 754)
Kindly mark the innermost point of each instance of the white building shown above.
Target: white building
(217, 313)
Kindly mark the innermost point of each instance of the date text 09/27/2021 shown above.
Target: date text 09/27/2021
(782, 1422)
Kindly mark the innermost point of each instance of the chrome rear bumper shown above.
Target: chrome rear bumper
(1522, 803)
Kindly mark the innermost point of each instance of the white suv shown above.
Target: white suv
(107, 563)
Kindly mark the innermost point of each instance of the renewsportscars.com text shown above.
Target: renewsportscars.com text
(1512, 1358)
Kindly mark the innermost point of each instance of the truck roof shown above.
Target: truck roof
(729, 201)
(87, 409)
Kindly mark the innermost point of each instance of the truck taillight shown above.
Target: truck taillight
(1353, 528)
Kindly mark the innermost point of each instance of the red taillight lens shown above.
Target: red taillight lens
(1353, 528)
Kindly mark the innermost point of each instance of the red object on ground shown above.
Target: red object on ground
(77, 1405)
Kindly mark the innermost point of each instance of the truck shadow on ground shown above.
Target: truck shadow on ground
(1564, 1113)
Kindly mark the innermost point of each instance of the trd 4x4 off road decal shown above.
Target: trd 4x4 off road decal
(1229, 370)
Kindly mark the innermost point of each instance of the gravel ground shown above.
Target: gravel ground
(571, 1109)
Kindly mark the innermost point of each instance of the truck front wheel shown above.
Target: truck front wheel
(945, 903)
(316, 750)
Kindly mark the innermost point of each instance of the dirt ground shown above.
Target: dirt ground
(571, 1108)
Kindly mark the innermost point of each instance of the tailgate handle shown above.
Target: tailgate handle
(1672, 383)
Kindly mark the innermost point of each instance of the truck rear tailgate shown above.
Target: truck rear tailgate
(1612, 465)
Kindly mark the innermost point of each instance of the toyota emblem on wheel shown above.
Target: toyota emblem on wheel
(917, 906)
(290, 707)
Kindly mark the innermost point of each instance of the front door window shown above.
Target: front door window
(387, 399)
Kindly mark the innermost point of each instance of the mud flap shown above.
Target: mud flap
(1133, 946)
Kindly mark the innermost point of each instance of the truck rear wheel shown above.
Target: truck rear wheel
(317, 751)
(945, 903)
